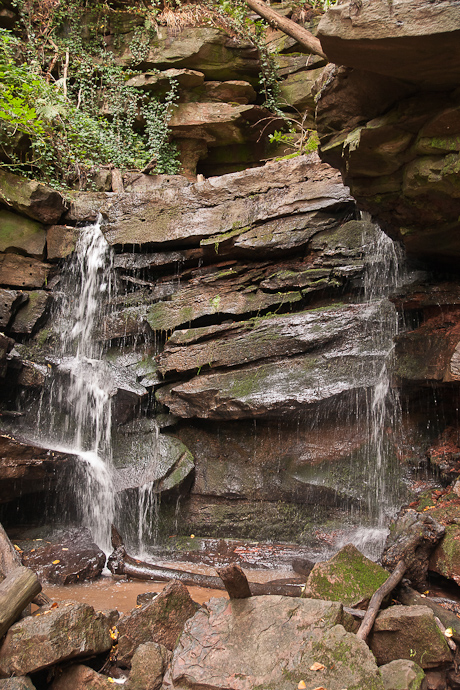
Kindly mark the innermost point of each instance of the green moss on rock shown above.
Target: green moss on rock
(348, 577)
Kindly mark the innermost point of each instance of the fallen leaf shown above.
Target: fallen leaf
(56, 562)
(17, 548)
(54, 605)
(320, 688)
(302, 685)
(317, 666)
(64, 548)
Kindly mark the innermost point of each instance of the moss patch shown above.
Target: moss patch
(348, 577)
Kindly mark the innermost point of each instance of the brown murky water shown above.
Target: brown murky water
(118, 593)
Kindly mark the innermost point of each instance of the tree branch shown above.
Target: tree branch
(304, 37)
(377, 598)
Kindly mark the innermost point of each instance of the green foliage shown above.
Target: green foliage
(86, 116)
(299, 139)
(157, 116)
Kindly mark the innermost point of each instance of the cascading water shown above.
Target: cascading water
(384, 273)
(82, 383)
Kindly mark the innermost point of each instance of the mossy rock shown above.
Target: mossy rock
(21, 234)
(348, 577)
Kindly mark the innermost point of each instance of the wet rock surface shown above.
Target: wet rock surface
(72, 557)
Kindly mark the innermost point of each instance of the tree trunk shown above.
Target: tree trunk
(377, 598)
(17, 590)
(301, 35)
(120, 563)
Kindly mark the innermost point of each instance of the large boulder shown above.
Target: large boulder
(70, 631)
(271, 642)
(348, 577)
(286, 385)
(191, 212)
(161, 621)
(409, 632)
(71, 557)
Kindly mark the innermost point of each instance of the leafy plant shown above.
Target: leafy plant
(157, 116)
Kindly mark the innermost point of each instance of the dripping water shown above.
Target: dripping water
(384, 273)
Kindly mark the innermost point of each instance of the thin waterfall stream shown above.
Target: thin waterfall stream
(82, 385)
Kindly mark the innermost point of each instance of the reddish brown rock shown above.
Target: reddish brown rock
(160, 621)
(26, 468)
(80, 677)
(60, 241)
(22, 272)
(73, 557)
(148, 667)
(270, 642)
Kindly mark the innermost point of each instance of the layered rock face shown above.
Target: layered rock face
(240, 313)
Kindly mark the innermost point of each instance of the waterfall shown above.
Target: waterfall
(384, 273)
(79, 416)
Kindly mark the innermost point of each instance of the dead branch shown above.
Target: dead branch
(377, 598)
(301, 35)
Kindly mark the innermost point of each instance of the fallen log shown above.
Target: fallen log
(377, 598)
(409, 597)
(10, 560)
(17, 590)
(120, 563)
(235, 581)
